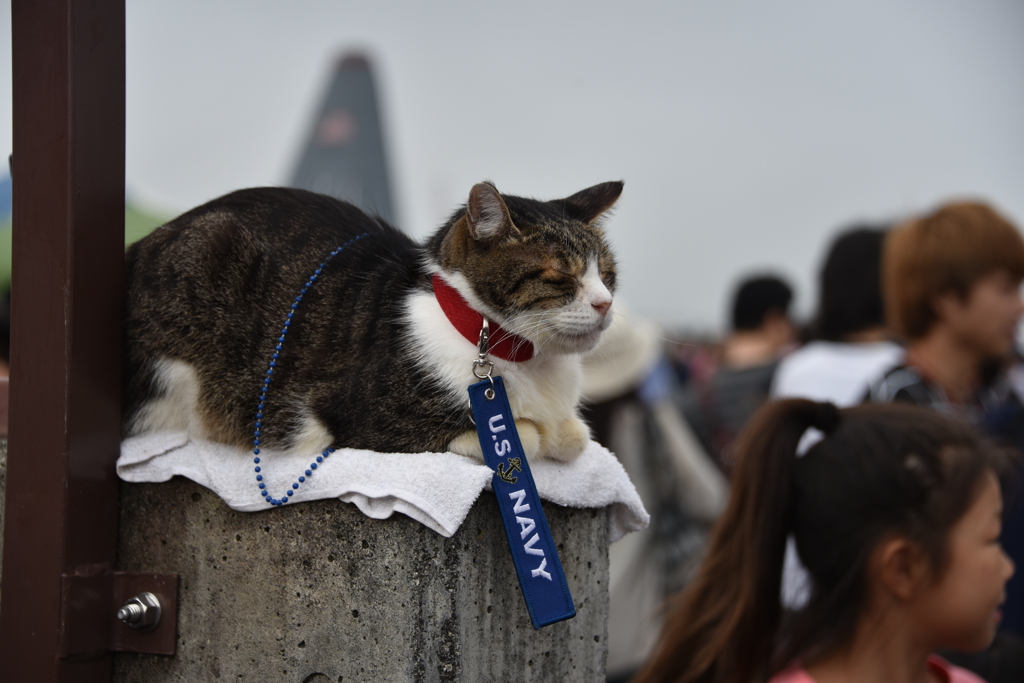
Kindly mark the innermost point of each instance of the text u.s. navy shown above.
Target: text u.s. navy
(526, 524)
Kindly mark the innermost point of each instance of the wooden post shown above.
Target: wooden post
(68, 255)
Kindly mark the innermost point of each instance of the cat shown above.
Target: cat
(371, 359)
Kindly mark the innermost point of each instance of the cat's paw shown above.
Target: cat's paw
(468, 443)
(567, 440)
(529, 437)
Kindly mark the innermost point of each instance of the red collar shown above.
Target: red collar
(468, 322)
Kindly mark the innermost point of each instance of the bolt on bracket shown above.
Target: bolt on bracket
(107, 611)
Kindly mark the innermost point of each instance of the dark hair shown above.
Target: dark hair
(882, 468)
(851, 284)
(756, 297)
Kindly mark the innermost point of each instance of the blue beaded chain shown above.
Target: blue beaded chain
(266, 384)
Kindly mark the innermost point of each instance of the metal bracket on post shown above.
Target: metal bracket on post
(105, 611)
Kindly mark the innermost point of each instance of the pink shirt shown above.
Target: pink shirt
(940, 667)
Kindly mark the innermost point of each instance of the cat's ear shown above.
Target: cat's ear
(588, 205)
(488, 216)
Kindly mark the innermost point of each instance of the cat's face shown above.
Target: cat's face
(541, 270)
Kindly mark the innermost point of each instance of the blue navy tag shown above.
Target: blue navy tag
(533, 550)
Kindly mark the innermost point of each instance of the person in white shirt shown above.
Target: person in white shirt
(851, 346)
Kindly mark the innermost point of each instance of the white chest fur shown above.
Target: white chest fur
(543, 392)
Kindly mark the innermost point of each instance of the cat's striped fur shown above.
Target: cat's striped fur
(371, 361)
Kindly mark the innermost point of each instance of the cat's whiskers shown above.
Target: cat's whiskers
(546, 341)
(634, 322)
(531, 329)
(569, 324)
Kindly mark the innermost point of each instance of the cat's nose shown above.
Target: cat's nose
(602, 307)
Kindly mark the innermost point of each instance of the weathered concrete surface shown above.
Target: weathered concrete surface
(317, 593)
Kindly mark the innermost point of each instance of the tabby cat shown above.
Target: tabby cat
(371, 360)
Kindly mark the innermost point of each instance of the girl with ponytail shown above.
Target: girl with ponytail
(896, 516)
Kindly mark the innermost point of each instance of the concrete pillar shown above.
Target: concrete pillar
(318, 593)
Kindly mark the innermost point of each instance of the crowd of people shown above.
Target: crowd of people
(832, 501)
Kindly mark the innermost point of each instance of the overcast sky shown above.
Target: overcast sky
(747, 132)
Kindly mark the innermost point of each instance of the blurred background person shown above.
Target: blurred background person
(850, 345)
(894, 511)
(952, 293)
(718, 404)
(951, 282)
(628, 388)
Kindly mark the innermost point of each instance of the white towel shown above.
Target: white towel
(435, 489)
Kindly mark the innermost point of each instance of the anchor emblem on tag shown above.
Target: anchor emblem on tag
(514, 465)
